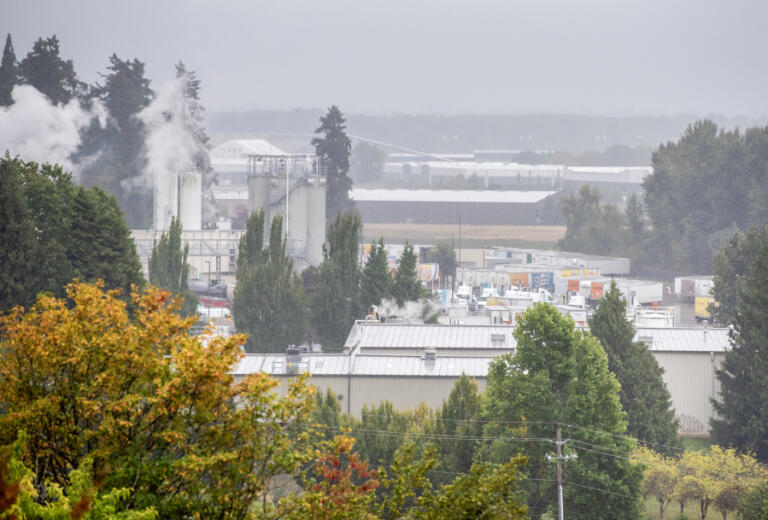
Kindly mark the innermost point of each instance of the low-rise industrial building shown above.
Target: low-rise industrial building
(471, 207)
(689, 357)
(360, 380)
(409, 364)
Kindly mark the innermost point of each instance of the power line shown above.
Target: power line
(554, 423)
(598, 489)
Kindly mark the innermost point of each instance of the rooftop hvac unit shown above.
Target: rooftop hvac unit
(648, 340)
(430, 355)
(498, 336)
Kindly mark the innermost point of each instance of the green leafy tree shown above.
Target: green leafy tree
(268, 302)
(755, 503)
(347, 489)
(742, 420)
(367, 162)
(590, 227)
(9, 73)
(704, 186)
(644, 395)
(560, 375)
(81, 499)
(377, 281)
(115, 157)
(168, 267)
(45, 70)
(406, 286)
(333, 148)
(337, 300)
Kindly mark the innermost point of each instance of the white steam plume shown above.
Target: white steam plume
(169, 139)
(37, 130)
(411, 312)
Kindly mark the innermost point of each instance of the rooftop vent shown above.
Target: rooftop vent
(430, 355)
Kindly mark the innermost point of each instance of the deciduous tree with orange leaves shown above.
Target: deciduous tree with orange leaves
(157, 412)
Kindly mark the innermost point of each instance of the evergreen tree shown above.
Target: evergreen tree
(377, 282)
(644, 395)
(17, 236)
(44, 69)
(742, 414)
(560, 375)
(733, 265)
(406, 286)
(9, 73)
(334, 148)
(102, 247)
(336, 303)
(168, 267)
(119, 150)
(70, 232)
(460, 420)
(268, 302)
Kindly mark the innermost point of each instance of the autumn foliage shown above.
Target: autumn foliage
(158, 412)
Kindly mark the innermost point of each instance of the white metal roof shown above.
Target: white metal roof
(320, 364)
(481, 196)
(684, 339)
(370, 366)
(236, 148)
(418, 336)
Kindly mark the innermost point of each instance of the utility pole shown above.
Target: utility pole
(560, 512)
(559, 443)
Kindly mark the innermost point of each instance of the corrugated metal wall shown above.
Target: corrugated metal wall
(405, 393)
(690, 377)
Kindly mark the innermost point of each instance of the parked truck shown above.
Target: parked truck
(701, 308)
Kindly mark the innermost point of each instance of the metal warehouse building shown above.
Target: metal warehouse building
(408, 364)
(689, 358)
(357, 380)
(447, 206)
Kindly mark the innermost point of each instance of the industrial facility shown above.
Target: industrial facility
(489, 207)
(410, 364)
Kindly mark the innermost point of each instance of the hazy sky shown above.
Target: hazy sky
(609, 57)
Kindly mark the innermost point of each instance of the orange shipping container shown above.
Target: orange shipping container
(597, 290)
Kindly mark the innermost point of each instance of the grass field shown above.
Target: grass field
(543, 237)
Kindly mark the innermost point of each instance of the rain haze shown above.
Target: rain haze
(448, 57)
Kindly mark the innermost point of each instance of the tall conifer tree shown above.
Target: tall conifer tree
(269, 300)
(168, 268)
(644, 395)
(9, 73)
(337, 300)
(45, 70)
(334, 148)
(377, 282)
(742, 411)
(406, 286)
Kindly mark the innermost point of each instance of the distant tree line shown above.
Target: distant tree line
(113, 157)
(704, 187)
